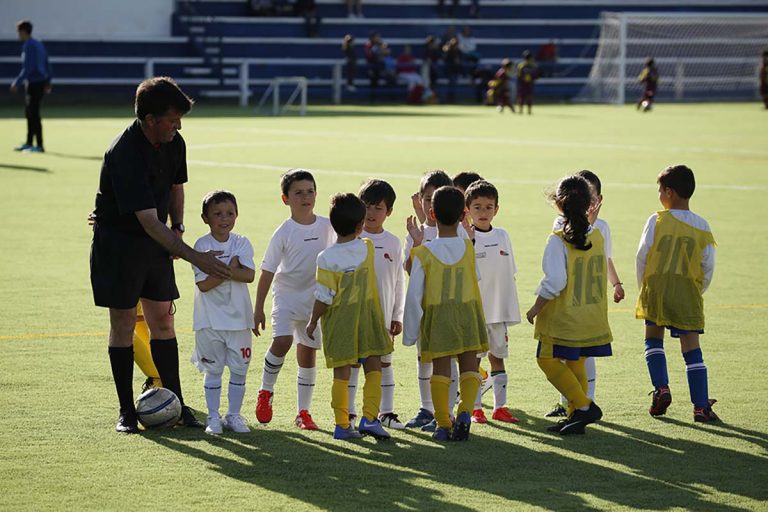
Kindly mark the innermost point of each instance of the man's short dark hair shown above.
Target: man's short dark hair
(679, 178)
(436, 179)
(157, 96)
(448, 205)
(216, 197)
(592, 179)
(24, 26)
(375, 191)
(481, 188)
(347, 213)
(465, 178)
(295, 175)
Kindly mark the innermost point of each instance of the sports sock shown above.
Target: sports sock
(579, 371)
(657, 362)
(425, 388)
(339, 402)
(469, 383)
(591, 369)
(165, 354)
(272, 367)
(141, 352)
(372, 395)
(354, 374)
(453, 390)
(387, 390)
(439, 385)
(235, 392)
(696, 372)
(121, 361)
(561, 376)
(499, 389)
(479, 397)
(305, 381)
(212, 389)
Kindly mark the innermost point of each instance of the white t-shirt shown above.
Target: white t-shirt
(494, 257)
(430, 233)
(226, 307)
(292, 256)
(554, 263)
(601, 226)
(390, 277)
(646, 241)
(339, 257)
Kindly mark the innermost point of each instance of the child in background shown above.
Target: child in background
(291, 260)
(222, 318)
(347, 299)
(675, 264)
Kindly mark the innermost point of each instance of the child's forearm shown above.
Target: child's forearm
(613, 276)
(209, 283)
(262, 288)
(318, 310)
(243, 274)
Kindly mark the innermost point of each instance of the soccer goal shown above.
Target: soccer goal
(273, 91)
(700, 57)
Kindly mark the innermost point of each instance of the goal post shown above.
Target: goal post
(273, 91)
(700, 56)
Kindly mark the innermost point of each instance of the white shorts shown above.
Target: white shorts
(216, 349)
(283, 324)
(498, 340)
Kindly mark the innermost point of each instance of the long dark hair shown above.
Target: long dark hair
(573, 197)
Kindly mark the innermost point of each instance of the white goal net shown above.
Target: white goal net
(700, 57)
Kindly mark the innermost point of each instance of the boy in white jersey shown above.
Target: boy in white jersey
(493, 253)
(222, 318)
(290, 261)
(379, 199)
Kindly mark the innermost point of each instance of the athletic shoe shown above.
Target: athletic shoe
(580, 419)
(304, 421)
(236, 423)
(486, 385)
(503, 414)
(22, 147)
(557, 412)
(34, 149)
(372, 428)
(127, 424)
(422, 418)
(213, 425)
(390, 420)
(150, 384)
(442, 434)
(478, 416)
(352, 418)
(662, 397)
(705, 414)
(461, 426)
(188, 418)
(557, 427)
(430, 427)
(264, 406)
(345, 434)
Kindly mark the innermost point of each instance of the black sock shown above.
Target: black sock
(121, 359)
(165, 354)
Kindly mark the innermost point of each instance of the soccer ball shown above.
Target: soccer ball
(158, 408)
(646, 105)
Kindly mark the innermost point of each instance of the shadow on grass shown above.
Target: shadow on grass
(621, 466)
(95, 158)
(23, 168)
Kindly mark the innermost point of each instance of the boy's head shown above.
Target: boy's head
(464, 179)
(482, 200)
(347, 214)
(220, 212)
(379, 198)
(448, 205)
(299, 190)
(24, 29)
(430, 182)
(675, 182)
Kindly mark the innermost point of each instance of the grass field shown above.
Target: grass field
(57, 400)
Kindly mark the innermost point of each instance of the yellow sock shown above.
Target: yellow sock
(372, 395)
(564, 380)
(142, 354)
(578, 369)
(439, 386)
(469, 382)
(340, 402)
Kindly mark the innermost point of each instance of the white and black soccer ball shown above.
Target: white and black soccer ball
(647, 105)
(158, 408)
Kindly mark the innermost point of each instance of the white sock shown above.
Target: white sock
(352, 388)
(212, 387)
(479, 398)
(589, 366)
(499, 390)
(425, 391)
(272, 367)
(305, 380)
(235, 393)
(453, 389)
(387, 390)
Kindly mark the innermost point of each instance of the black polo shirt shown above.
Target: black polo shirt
(136, 175)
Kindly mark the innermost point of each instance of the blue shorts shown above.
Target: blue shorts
(572, 353)
(674, 331)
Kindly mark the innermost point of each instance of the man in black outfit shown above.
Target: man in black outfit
(141, 184)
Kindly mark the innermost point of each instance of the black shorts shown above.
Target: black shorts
(126, 267)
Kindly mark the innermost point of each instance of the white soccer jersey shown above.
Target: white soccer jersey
(646, 242)
(430, 233)
(339, 257)
(226, 307)
(493, 253)
(292, 256)
(601, 226)
(390, 277)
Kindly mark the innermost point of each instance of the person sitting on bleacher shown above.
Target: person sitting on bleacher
(374, 54)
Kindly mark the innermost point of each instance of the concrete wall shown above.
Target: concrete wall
(88, 19)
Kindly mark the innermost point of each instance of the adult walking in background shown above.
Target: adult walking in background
(141, 184)
(36, 75)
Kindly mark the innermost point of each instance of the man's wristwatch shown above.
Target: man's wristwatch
(178, 227)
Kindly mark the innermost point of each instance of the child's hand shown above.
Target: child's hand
(594, 210)
(468, 227)
(234, 262)
(311, 326)
(395, 328)
(415, 230)
(417, 209)
(259, 320)
(618, 293)
(531, 314)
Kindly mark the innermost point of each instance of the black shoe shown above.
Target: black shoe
(461, 426)
(557, 427)
(580, 419)
(127, 424)
(558, 412)
(188, 418)
(150, 383)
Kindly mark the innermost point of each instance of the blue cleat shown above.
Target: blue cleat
(22, 147)
(372, 428)
(442, 434)
(422, 418)
(461, 427)
(345, 434)
(430, 427)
